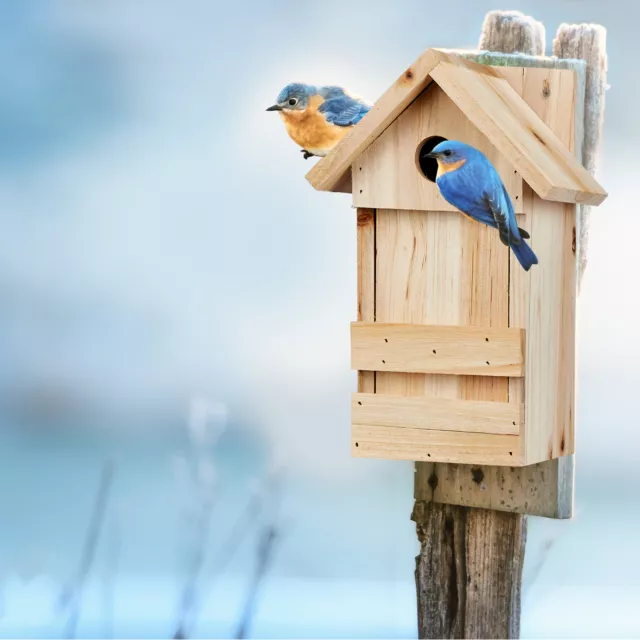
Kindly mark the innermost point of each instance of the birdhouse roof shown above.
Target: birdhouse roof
(493, 106)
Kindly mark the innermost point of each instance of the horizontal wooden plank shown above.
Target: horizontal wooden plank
(397, 443)
(436, 414)
(417, 348)
(543, 489)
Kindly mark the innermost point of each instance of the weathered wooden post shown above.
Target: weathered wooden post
(466, 362)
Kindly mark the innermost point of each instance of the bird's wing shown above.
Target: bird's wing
(465, 190)
(501, 208)
(343, 111)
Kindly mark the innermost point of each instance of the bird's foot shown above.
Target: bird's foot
(307, 155)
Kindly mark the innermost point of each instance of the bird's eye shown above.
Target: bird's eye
(293, 101)
(447, 153)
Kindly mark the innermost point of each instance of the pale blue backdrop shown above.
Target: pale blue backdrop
(175, 303)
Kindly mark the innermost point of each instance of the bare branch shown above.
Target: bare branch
(72, 594)
(266, 545)
(269, 536)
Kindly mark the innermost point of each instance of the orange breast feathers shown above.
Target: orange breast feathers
(452, 166)
(310, 130)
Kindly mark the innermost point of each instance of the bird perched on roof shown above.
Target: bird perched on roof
(467, 180)
(317, 118)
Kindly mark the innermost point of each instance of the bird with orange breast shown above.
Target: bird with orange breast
(317, 118)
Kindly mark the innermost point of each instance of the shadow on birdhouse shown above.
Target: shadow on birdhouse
(462, 355)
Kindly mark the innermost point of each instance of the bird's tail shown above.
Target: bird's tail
(525, 255)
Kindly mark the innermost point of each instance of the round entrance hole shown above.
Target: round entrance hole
(428, 167)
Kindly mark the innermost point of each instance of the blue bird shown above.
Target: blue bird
(317, 118)
(469, 182)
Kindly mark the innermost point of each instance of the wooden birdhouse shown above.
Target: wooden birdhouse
(462, 355)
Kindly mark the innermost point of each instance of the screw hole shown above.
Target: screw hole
(356, 444)
(360, 190)
(434, 351)
(517, 197)
(384, 362)
(514, 424)
(510, 453)
(488, 362)
(428, 455)
(360, 168)
(360, 403)
(486, 339)
(386, 340)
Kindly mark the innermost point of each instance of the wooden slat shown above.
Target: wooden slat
(550, 368)
(387, 176)
(520, 135)
(413, 348)
(397, 443)
(366, 283)
(436, 414)
(551, 288)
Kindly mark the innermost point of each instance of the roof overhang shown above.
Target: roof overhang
(493, 106)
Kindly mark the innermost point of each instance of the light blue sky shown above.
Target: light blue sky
(160, 241)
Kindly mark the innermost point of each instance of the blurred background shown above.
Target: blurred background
(175, 302)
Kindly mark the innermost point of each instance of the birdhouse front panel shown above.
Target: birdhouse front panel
(387, 175)
(465, 345)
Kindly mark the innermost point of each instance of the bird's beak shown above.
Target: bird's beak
(275, 107)
(431, 155)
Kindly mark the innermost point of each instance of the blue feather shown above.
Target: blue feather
(475, 188)
(341, 109)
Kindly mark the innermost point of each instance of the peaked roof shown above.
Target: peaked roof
(493, 106)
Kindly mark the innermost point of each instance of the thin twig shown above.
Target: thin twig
(73, 593)
(269, 536)
(266, 546)
(189, 593)
(234, 541)
(113, 554)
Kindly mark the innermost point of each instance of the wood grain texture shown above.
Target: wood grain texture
(419, 280)
(403, 443)
(386, 175)
(550, 368)
(366, 236)
(469, 571)
(415, 348)
(493, 106)
(436, 414)
(531, 147)
(544, 489)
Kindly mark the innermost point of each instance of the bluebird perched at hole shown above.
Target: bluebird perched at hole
(469, 182)
(317, 118)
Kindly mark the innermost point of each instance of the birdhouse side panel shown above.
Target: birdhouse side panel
(550, 360)
(387, 175)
